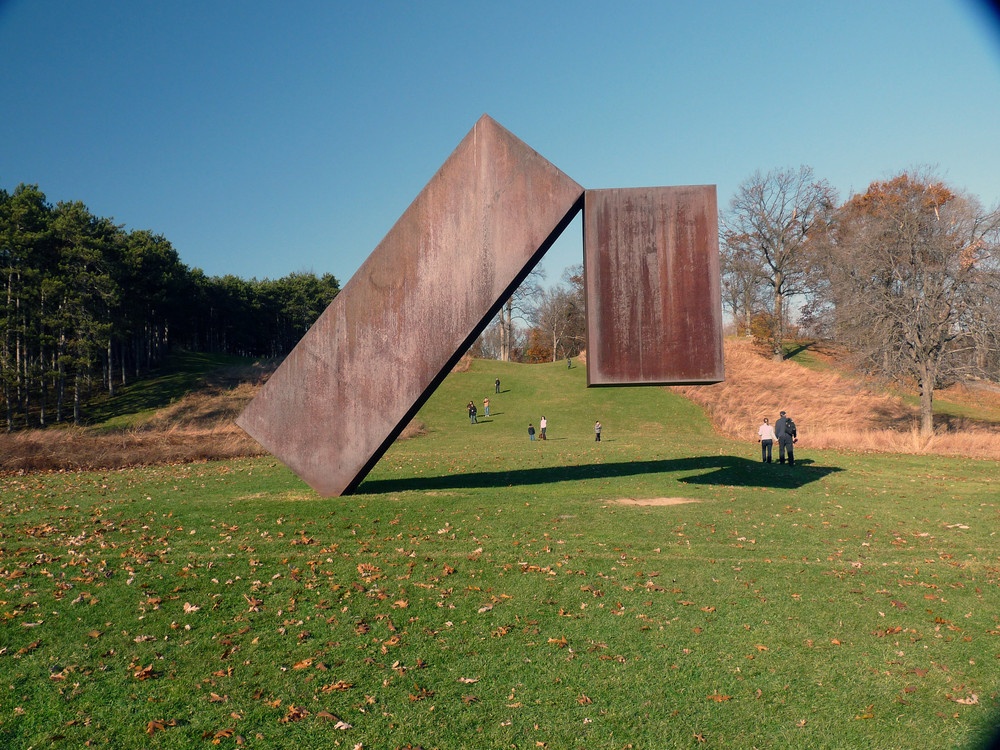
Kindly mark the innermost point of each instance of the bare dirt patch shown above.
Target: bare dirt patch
(655, 500)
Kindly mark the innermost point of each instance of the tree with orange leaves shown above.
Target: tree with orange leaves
(906, 268)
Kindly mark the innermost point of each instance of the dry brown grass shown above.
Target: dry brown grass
(830, 409)
(82, 449)
(198, 427)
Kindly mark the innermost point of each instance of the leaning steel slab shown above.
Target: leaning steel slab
(400, 324)
(651, 269)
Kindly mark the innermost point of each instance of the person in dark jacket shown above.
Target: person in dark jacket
(784, 431)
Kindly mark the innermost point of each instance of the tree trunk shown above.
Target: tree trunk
(778, 326)
(926, 402)
(76, 400)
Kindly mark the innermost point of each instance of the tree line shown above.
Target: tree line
(906, 276)
(88, 306)
(538, 323)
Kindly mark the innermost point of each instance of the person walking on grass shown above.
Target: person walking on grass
(486, 406)
(597, 432)
(784, 431)
(496, 384)
(541, 426)
(765, 437)
(531, 431)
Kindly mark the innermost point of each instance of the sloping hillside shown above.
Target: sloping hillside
(832, 410)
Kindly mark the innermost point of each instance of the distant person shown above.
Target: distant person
(784, 431)
(472, 413)
(496, 383)
(531, 432)
(569, 363)
(541, 426)
(766, 439)
(486, 406)
(597, 432)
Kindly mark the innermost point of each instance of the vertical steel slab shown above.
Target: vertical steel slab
(400, 324)
(651, 270)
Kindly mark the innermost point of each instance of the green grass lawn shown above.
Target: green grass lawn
(484, 591)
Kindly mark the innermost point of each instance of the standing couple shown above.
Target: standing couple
(784, 432)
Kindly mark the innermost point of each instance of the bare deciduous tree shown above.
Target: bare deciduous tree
(517, 307)
(766, 235)
(559, 315)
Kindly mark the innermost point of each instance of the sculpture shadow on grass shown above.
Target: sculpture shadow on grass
(730, 471)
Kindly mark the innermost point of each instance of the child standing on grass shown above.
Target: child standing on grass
(531, 432)
(597, 432)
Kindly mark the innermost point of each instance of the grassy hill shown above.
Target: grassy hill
(834, 408)
(185, 412)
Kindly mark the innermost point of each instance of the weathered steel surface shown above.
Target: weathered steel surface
(651, 269)
(400, 324)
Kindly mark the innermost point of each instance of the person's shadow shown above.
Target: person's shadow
(709, 470)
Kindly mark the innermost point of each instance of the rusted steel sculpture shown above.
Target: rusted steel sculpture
(404, 319)
(651, 269)
(471, 236)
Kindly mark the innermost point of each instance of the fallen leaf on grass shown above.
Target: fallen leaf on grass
(719, 698)
(468, 699)
(216, 698)
(971, 700)
(336, 686)
(868, 714)
(561, 641)
(421, 694)
(190, 608)
(468, 680)
(584, 700)
(159, 725)
(305, 663)
(145, 673)
(295, 713)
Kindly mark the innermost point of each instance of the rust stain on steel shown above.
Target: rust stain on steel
(399, 325)
(651, 270)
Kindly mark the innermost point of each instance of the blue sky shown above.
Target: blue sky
(263, 138)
